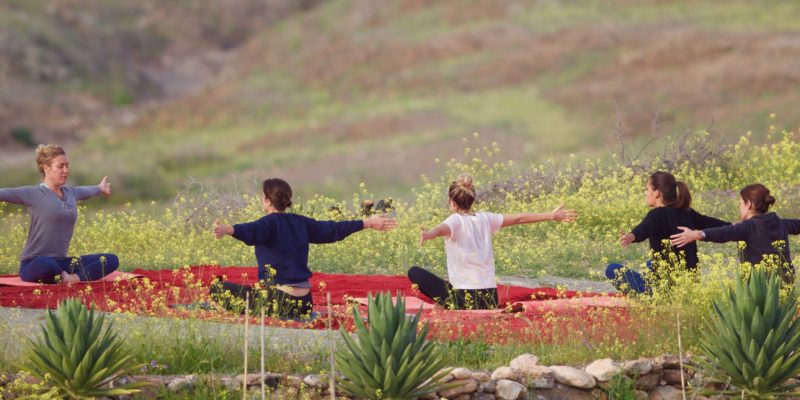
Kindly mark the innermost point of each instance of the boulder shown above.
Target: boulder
(509, 390)
(665, 393)
(505, 373)
(604, 369)
(461, 373)
(523, 361)
(563, 392)
(187, 382)
(648, 382)
(481, 376)
(460, 386)
(673, 377)
(638, 367)
(573, 377)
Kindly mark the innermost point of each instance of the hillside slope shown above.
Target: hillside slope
(380, 92)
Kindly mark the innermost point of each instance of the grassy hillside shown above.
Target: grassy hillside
(349, 92)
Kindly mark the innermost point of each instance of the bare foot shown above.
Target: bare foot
(69, 278)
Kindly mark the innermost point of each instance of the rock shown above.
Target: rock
(232, 383)
(461, 386)
(563, 392)
(252, 379)
(446, 378)
(509, 390)
(463, 397)
(429, 396)
(488, 387)
(638, 367)
(292, 381)
(665, 393)
(481, 376)
(573, 377)
(187, 382)
(673, 377)
(545, 381)
(647, 382)
(524, 361)
(314, 381)
(461, 373)
(669, 361)
(483, 396)
(603, 369)
(505, 373)
(640, 395)
(154, 380)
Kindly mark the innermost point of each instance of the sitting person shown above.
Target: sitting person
(468, 246)
(759, 230)
(670, 203)
(281, 241)
(52, 206)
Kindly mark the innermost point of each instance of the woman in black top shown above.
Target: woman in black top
(670, 201)
(759, 230)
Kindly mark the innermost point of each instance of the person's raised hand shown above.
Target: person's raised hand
(105, 186)
(626, 238)
(561, 215)
(380, 222)
(422, 237)
(221, 230)
(686, 236)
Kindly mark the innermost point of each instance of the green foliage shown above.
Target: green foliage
(755, 337)
(621, 388)
(78, 356)
(24, 136)
(390, 360)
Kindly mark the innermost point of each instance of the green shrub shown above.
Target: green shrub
(78, 356)
(390, 360)
(621, 388)
(754, 338)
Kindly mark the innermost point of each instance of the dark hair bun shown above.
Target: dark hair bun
(769, 200)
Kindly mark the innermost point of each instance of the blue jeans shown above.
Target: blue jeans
(628, 280)
(48, 269)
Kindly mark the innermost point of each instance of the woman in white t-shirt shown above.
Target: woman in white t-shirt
(468, 246)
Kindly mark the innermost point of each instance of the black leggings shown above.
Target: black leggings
(443, 293)
(275, 302)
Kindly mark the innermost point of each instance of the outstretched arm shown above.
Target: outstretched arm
(440, 230)
(686, 236)
(334, 231)
(558, 214)
(23, 196)
(220, 230)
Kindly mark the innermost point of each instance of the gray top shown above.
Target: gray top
(52, 218)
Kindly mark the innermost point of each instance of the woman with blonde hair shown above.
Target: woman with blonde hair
(468, 247)
(52, 206)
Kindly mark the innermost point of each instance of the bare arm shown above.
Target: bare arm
(558, 214)
(441, 230)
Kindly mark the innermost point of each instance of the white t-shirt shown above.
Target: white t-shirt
(470, 259)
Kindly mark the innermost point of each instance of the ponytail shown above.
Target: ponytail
(674, 193)
(758, 195)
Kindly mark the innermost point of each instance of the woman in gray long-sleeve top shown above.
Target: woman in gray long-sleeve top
(759, 230)
(53, 209)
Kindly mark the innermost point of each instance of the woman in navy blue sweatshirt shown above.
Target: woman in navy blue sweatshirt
(759, 230)
(671, 202)
(281, 242)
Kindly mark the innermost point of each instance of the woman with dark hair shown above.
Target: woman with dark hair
(759, 230)
(281, 242)
(670, 203)
(53, 209)
(468, 246)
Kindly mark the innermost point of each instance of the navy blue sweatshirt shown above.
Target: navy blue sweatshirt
(661, 222)
(281, 241)
(759, 233)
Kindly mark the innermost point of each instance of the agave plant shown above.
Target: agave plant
(754, 338)
(390, 360)
(78, 356)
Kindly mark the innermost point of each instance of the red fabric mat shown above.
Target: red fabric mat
(540, 314)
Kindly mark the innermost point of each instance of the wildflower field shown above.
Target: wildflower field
(608, 195)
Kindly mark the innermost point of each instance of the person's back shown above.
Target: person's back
(470, 258)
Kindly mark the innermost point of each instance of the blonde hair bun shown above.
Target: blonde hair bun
(465, 181)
